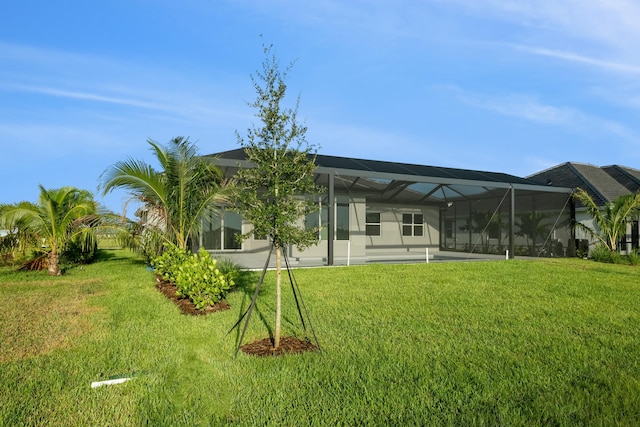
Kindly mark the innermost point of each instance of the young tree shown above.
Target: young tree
(61, 216)
(610, 223)
(274, 193)
(178, 196)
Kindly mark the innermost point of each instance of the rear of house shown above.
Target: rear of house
(375, 211)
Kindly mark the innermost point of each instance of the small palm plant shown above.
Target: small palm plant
(610, 223)
(60, 217)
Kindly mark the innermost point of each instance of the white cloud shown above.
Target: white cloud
(103, 97)
(84, 96)
(600, 33)
(528, 107)
(617, 67)
(593, 33)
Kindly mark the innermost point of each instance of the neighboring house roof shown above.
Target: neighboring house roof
(628, 177)
(603, 184)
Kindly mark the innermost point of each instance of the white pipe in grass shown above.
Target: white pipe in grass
(97, 384)
(507, 255)
(427, 254)
(348, 252)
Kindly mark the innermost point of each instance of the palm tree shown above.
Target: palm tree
(178, 196)
(61, 216)
(532, 225)
(485, 224)
(610, 223)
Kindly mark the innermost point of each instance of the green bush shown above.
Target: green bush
(229, 268)
(196, 276)
(200, 280)
(167, 264)
(617, 258)
(634, 257)
(8, 245)
(80, 250)
(146, 241)
(601, 253)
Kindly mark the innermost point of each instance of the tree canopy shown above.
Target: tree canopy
(276, 192)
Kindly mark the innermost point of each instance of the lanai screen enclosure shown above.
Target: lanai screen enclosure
(376, 211)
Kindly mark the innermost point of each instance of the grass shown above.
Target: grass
(549, 342)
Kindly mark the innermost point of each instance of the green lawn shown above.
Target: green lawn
(548, 342)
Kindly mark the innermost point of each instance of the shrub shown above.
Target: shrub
(146, 241)
(196, 276)
(80, 251)
(616, 258)
(634, 257)
(601, 253)
(8, 245)
(200, 280)
(229, 268)
(167, 264)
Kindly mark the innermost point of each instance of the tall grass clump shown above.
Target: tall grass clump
(601, 253)
(634, 257)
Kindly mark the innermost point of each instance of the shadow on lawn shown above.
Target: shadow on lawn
(108, 255)
(247, 283)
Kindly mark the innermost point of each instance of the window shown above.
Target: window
(412, 224)
(221, 231)
(372, 224)
(320, 219)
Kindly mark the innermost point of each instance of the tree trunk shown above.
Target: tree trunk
(276, 334)
(54, 263)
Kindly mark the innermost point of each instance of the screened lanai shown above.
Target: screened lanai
(377, 211)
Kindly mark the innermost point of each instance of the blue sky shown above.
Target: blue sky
(512, 86)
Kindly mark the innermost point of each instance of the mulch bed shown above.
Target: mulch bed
(264, 347)
(288, 345)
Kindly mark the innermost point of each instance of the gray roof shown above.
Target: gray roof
(628, 177)
(603, 184)
(405, 182)
(405, 169)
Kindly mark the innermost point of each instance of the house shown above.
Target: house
(604, 185)
(378, 211)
